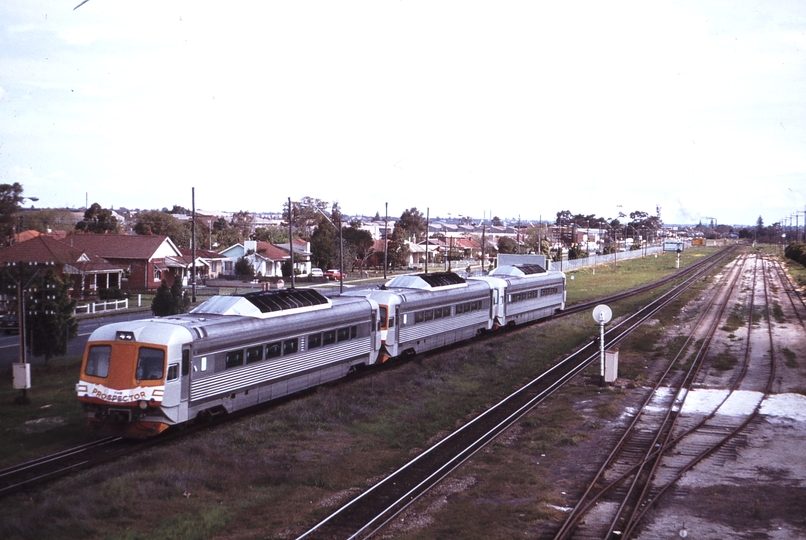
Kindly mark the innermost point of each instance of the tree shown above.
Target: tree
(179, 297)
(413, 222)
(10, 200)
(48, 219)
(507, 245)
(244, 268)
(305, 214)
(324, 244)
(271, 234)
(170, 300)
(243, 222)
(98, 220)
(496, 222)
(52, 326)
(155, 222)
(359, 243)
(644, 224)
(162, 305)
(397, 249)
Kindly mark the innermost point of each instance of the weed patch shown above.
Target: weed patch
(735, 318)
(791, 358)
(724, 361)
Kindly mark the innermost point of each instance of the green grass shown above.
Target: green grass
(52, 420)
(265, 474)
(606, 279)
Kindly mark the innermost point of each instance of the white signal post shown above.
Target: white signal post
(602, 315)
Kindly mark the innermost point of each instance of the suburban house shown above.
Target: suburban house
(145, 260)
(209, 264)
(267, 259)
(86, 272)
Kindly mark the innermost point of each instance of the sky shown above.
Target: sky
(516, 109)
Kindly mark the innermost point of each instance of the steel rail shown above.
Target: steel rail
(580, 508)
(381, 518)
(636, 519)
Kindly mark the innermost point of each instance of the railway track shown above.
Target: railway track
(46, 468)
(372, 510)
(35, 472)
(666, 438)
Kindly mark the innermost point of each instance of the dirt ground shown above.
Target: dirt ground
(754, 487)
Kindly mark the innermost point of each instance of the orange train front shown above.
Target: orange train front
(131, 377)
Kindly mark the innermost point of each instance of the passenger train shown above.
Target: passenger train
(138, 378)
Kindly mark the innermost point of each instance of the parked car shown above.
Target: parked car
(317, 272)
(9, 323)
(333, 274)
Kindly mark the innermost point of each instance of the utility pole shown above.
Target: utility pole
(427, 214)
(22, 370)
(385, 239)
(193, 240)
(291, 243)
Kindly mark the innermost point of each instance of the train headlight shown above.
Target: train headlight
(143, 404)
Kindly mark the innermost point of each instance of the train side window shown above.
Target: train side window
(328, 337)
(419, 317)
(438, 313)
(98, 361)
(459, 309)
(466, 307)
(173, 372)
(290, 346)
(429, 315)
(391, 322)
(446, 311)
(343, 334)
(234, 359)
(254, 354)
(150, 364)
(273, 350)
(314, 341)
(185, 362)
(353, 332)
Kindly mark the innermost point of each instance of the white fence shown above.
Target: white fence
(575, 264)
(95, 307)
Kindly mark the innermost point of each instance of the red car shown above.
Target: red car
(333, 274)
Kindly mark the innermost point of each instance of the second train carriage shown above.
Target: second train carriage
(427, 311)
(141, 377)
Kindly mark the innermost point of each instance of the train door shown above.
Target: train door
(375, 332)
(185, 372)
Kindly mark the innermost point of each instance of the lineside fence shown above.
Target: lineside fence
(593, 260)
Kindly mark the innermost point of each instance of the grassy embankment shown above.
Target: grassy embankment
(265, 474)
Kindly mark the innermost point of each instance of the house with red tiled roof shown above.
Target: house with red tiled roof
(87, 272)
(145, 259)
